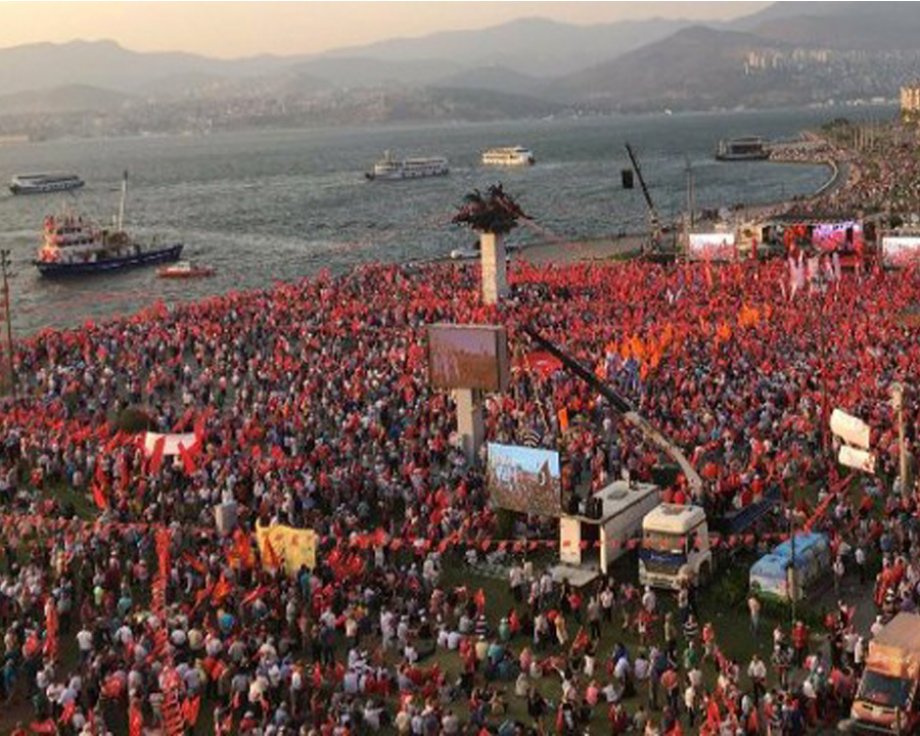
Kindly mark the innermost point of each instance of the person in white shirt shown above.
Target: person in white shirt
(85, 643)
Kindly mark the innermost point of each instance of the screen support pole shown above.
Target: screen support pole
(470, 425)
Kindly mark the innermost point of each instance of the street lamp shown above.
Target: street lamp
(897, 403)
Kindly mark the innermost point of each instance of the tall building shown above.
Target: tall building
(910, 102)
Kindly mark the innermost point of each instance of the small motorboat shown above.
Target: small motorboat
(185, 270)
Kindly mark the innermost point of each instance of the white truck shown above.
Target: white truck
(675, 546)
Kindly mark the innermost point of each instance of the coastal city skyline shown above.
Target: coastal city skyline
(241, 29)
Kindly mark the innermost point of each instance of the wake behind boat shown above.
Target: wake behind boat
(392, 169)
(44, 183)
(73, 246)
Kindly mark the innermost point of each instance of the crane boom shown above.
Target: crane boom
(654, 220)
(626, 410)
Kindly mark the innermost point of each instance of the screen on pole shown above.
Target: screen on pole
(900, 250)
(468, 356)
(712, 246)
(844, 237)
(524, 479)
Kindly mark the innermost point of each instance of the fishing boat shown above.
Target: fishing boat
(393, 169)
(185, 270)
(508, 156)
(44, 183)
(74, 246)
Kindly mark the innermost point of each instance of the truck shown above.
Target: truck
(886, 700)
(593, 537)
(675, 546)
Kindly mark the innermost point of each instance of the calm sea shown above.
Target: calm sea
(268, 205)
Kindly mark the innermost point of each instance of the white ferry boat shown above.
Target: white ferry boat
(44, 183)
(391, 169)
(748, 148)
(508, 156)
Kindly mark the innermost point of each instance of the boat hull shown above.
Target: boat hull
(759, 156)
(403, 176)
(45, 189)
(110, 265)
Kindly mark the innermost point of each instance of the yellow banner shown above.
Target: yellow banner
(293, 547)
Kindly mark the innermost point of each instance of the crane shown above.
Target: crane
(653, 219)
(625, 409)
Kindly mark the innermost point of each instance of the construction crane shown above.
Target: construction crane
(625, 409)
(654, 220)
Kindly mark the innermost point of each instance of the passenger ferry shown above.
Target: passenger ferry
(749, 148)
(73, 246)
(44, 183)
(391, 169)
(508, 156)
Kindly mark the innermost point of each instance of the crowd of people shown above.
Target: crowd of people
(124, 606)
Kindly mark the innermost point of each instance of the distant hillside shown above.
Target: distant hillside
(496, 79)
(531, 46)
(784, 54)
(369, 72)
(695, 68)
(108, 65)
(69, 98)
(873, 27)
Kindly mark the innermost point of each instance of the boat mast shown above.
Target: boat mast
(121, 206)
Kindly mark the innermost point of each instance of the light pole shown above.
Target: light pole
(897, 403)
(7, 336)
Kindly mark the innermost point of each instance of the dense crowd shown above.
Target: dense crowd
(311, 408)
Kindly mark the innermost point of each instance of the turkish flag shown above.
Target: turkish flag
(156, 460)
(99, 497)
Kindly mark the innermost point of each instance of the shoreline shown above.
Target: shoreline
(630, 244)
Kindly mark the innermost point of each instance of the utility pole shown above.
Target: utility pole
(7, 385)
(897, 403)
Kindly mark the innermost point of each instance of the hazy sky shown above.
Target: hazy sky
(228, 29)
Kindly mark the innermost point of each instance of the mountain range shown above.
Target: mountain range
(786, 54)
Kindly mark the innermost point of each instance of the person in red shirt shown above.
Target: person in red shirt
(800, 642)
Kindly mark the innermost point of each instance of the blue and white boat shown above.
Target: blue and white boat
(73, 246)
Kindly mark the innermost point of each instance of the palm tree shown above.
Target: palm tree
(496, 212)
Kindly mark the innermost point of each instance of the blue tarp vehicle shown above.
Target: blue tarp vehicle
(769, 576)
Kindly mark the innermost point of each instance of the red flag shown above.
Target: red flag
(46, 726)
(269, 556)
(190, 710)
(188, 459)
(255, 594)
(480, 600)
(99, 497)
(135, 719)
(123, 476)
(184, 421)
(564, 419)
(221, 590)
(67, 712)
(243, 548)
(156, 460)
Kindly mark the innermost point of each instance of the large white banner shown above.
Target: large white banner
(900, 250)
(712, 246)
(850, 429)
(853, 457)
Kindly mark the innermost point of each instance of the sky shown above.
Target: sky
(234, 29)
